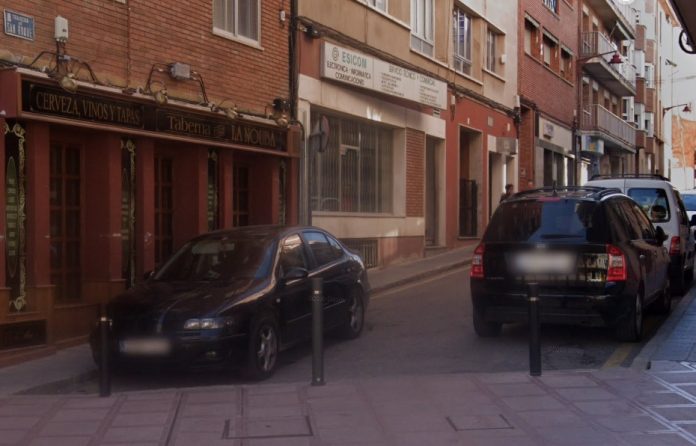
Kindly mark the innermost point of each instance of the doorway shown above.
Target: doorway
(431, 192)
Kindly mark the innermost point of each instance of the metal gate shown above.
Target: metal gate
(468, 190)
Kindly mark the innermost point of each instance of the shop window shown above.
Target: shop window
(65, 221)
(462, 41)
(355, 172)
(237, 18)
(422, 38)
(240, 214)
(164, 209)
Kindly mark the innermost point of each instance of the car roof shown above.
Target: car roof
(573, 192)
(263, 232)
(625, 182)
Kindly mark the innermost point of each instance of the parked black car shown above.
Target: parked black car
(596, 256)
(238, 297)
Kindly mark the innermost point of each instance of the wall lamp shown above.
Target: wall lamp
(280, 109)
(312, 32)
(230, 112)
(160, 95)
(65, 68)
(686, 108)
(177, 71)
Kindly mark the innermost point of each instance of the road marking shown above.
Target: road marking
(619, 356)
(420, 282)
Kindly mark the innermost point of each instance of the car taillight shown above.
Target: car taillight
(617, 264)
(674, 245)
(477, 262)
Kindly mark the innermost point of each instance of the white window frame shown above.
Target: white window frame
(380, 5)
(649, 75)
(234, 34)
(462, 62)
(491, 62)
(422, 32)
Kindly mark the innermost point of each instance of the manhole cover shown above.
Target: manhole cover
(479, 422)
(268, 428)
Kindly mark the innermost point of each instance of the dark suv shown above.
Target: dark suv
(596, 256)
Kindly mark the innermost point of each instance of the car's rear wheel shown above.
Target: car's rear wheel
(354, 318)
(484, 328)
(630, 328)
(264, 345)
(664, 304)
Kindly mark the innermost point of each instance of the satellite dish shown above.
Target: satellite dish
(320, 135)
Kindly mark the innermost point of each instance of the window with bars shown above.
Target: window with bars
(164, 209)
(237, 18)
(422, 26)
(65, 221)
(355, 172)
(240, 205)
(462, 41)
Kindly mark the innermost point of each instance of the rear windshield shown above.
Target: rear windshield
(653, 201)
(555, 219)
(689, 201)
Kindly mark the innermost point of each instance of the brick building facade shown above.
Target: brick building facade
(130, 131)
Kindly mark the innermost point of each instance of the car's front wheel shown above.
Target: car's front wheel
(484, 328)
(264, 345)
(630, 328)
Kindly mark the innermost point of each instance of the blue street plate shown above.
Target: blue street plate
(145, 346)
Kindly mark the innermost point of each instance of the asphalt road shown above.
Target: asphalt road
(423, 328)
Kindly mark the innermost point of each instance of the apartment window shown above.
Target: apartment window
(491, 50)
(650, 124)
(552, 5)
(355, 172)
(237, 18)
(567, 65)
(462, 41)
(422, 26)
(650, 75)
(627, 109)
(65, 221)
(378, 4)
(531, 39)
(549, 48)
(639, 115)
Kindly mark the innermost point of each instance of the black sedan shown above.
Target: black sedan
(238, 297)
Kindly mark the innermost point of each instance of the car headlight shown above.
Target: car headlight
(210, 323)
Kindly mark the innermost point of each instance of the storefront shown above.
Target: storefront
(101, 186)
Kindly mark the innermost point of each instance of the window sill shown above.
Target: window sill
(469, 77)
(554, 13)
(569, 5)
(495, 75)
(385, 14)
(431, 59)
(244, 41)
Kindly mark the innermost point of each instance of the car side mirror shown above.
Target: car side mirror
(692, 222)
(660, 235)
(294, 274)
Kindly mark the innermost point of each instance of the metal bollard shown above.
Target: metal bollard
(104, 372)
(317, 332)
(534, 331)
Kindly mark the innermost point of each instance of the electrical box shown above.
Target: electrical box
(180, 71)
(61, 29)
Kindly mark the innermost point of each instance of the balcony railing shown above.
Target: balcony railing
(597, 118)
(626, 11)
(597, 43)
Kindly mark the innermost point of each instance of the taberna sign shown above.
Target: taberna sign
(351, 67)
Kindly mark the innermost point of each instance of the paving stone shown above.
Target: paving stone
(566, 381)
(212, 397)
(266, 389)
(33, 400)
(658, 439)
(214, 409)
(636, 423)
(414, 422)
(341, 419)
(330, 391)
(548, 418)
(23, 410)
(503, 378)
(152, 396)
(61, 441)
(449, 383)
(134, 433)
(69, 428)
(145, 406)
(140, 419)
(516, 389)
(200, 425)
(469, 398)
(282, 442)
(499, 441)
(585, 394)
(661, 398)
(608, 408)
(90, 403)
(396, 408)
(479, 422)
(80, 414)
(201, 439)
(666, 366)
(342, 434)
(282, 411)
(461, 408)
(677, 413)
(580, 436)
(17, 423)
(678, 377)
(270, 427)
(12, 436)
(421, 438)
(273, 400)
(532, 403)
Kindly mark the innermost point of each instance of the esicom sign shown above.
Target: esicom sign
(350, 67)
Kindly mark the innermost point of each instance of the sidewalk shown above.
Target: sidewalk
(618, 406)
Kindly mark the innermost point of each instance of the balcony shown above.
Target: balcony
(619, 78)
(615, 12)
(602, 123)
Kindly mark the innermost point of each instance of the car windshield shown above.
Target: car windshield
(218, 259)
(689, 201)
(653, 201)
(547, 220)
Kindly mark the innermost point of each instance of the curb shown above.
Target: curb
(420, 275)
(642, 360)
(59, 386)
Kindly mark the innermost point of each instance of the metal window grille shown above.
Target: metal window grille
(354, 173)
(368, 249)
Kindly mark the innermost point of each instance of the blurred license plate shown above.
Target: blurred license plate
(146, 347)
(535, 262)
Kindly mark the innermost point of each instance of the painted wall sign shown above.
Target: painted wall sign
(19, 25)
(50, 100)
(350, 67)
